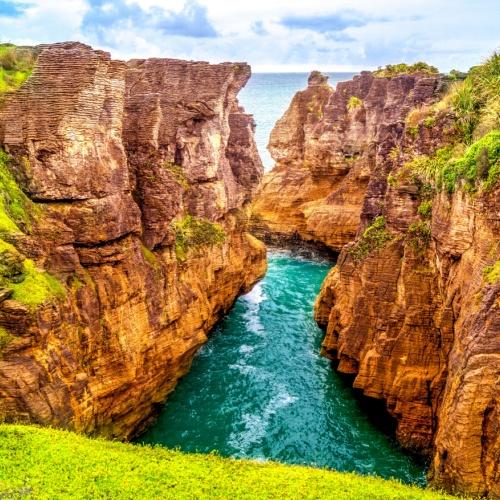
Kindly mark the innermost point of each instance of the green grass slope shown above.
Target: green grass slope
(52, 464)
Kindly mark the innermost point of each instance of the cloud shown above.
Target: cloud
(259, 29)
(191, 21)
(327, 23)
(103, 16)
(12, 9)
(271, 35)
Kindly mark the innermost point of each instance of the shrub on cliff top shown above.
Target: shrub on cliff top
(475, 101)
(404, 69)
(194, 232)
(373, 238)
(16, 65)
(49, 463)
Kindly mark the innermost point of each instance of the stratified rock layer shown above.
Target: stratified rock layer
(113, 154)
(414, 322)
(326, 148)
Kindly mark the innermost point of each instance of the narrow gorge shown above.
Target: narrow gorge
(386, 171)
(135, 211)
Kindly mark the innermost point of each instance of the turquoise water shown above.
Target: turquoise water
(268, 95)
(259, 388)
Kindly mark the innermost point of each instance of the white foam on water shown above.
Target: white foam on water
(246, 349)
(252, 301)
(256, 424)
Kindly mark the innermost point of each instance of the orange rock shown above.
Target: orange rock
(114, 153)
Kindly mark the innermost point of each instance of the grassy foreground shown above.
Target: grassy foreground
(46, 463)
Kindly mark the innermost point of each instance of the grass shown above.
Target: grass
(16, 65)
(354, 103)
(373, 238)
(392, 70)
(492, 273)
(194, 232)
(47, 464)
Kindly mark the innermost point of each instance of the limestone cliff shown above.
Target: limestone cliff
(411, 310)
(128, 240)
(326, 146)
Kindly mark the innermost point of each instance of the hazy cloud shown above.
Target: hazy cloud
(326, 23)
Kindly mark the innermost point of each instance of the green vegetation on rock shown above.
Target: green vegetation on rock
(29, 285)
(37, 287)
(354, 103)
(373, 238)
(425, 209)
(5, 338)
(150, 257)
(47, 464)
(404, 69)
(16, 65)
(177, 173)
(419, 235)
(195, 232)
(492, 273)
(15, 206)
(477, 167)
(475, 101)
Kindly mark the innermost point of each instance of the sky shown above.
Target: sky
(272, 35)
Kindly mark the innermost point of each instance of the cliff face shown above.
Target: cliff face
(421, 330)
(411, 310)
(326, 147)
(137, 178)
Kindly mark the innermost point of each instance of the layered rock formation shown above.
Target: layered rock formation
(409, 310)
(137, 178)
(326, 146)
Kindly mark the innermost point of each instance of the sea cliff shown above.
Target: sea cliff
(125, 192)
(393, 171)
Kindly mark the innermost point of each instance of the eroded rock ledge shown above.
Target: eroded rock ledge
(138, 176)
(409, 310)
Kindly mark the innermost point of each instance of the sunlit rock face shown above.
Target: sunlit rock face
(327, 147)
(415, 323)
(113, 154)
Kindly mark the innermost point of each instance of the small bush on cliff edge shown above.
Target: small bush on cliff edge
(373, 238)
(194, 232)
(404, 69)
